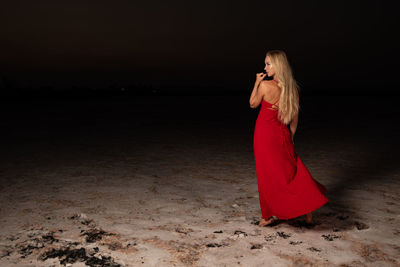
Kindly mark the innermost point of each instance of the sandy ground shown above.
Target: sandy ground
(171, 181)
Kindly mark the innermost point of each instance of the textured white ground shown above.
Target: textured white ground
(182, 191)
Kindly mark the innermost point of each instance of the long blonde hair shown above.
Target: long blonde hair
(288, 100)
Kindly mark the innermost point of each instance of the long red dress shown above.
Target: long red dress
(285, 186)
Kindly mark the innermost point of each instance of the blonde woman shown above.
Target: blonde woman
(285, 186)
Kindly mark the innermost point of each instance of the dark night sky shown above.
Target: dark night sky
(336, 44)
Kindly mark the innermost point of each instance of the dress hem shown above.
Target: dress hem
(302, 213)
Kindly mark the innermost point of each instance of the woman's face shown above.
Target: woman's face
(268, 67)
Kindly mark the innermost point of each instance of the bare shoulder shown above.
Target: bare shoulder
(266, 85)
(269, 86)
(262, 88)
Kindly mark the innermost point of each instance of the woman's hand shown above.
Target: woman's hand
(260, 77)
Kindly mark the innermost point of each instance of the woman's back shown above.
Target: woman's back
(272, 93)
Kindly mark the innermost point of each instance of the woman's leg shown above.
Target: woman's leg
(309, 217)
(264, 222)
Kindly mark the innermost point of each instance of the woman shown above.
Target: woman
(286, 188)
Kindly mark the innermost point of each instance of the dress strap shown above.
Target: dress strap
(274, 104)
(278, 98)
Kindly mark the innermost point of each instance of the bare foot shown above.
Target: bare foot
(264, 222)
(309, 218)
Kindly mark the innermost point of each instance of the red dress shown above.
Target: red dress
(285, 186)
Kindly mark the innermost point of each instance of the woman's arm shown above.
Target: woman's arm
(258, 91)
(293, 124)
